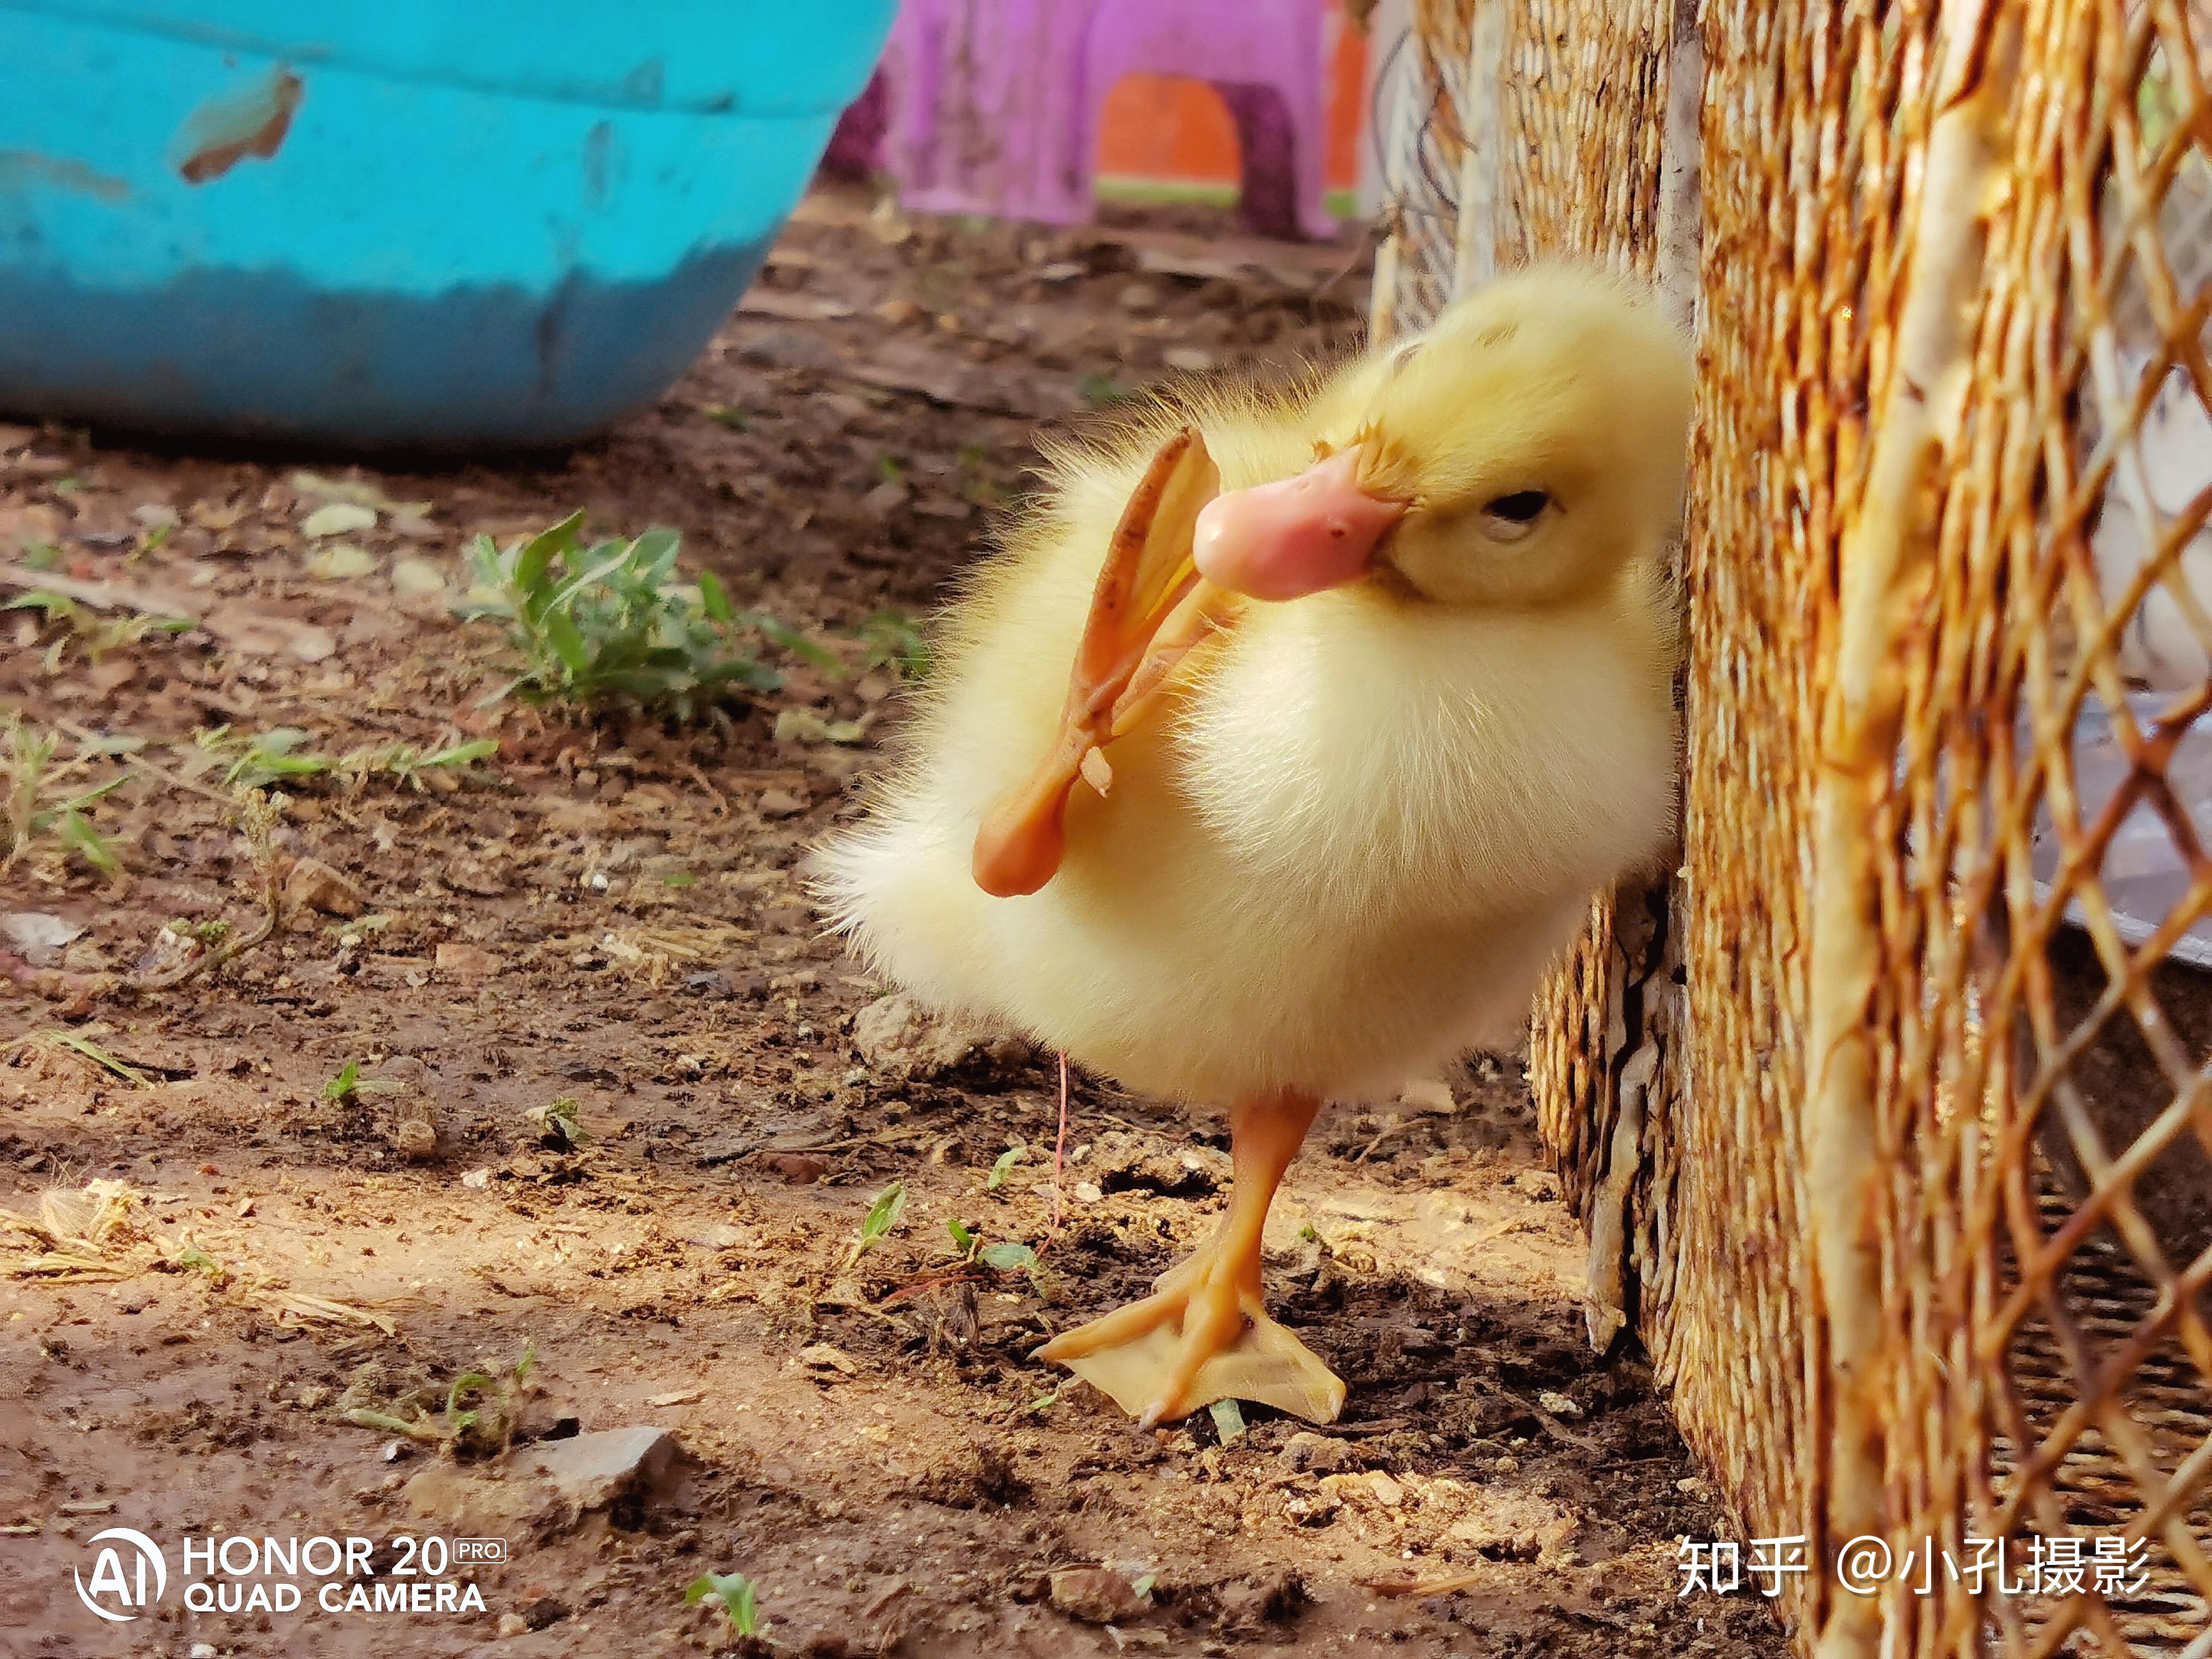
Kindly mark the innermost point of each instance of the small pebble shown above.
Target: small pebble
(340, 560)
(460, 958)
(413, 578)
(338, 518)
(780, 804)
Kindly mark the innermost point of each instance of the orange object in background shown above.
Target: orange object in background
(1158, 131)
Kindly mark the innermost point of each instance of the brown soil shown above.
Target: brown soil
(607, 913)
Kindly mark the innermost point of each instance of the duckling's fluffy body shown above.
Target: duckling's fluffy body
(1344, 854)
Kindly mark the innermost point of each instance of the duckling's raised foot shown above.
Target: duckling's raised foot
(1149, 610)
(1189, 1345)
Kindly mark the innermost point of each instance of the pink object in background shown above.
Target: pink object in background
(994, 106)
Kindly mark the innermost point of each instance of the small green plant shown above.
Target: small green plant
(893, 640)
(405, 764)
(1099, 390)
(974, 485)
(882, 1216)
(611, 622)
(734, 1594)
(478, 1416)
(781, 634)
(98, 634)
(489, 1396)
(1006, 1257)
(1003, 1165)
(57, 1041)
(349, 1086)
(259, 759)
(557, 1128)
(192, 1259)
(41, 799)
(728, 415)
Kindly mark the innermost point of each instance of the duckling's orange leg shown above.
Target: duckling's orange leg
(1204, 1335)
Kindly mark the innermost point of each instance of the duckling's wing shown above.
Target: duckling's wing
(1150, 609)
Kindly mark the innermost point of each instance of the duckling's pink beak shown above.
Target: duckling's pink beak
(1298, 536)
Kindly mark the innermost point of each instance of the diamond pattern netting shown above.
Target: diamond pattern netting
(1891, 1114)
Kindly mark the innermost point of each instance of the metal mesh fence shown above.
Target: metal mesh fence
(1891, 1114)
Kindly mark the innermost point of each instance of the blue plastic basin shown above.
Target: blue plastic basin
(438, 223)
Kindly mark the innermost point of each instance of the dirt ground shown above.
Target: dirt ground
(240, 1300)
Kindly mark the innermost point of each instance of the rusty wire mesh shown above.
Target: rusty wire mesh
(1891, 1116)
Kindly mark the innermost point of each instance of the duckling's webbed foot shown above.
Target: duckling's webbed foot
(1204, 1335)
(1187, 1346)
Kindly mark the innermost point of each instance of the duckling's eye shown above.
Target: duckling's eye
(1510, 517)
(1403, 356)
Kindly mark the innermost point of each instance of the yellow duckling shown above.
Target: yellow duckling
(1371, 691)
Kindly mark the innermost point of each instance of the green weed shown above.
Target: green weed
(57, 1040)
(882, 1216)
(893, 640)
(1100, 390)
(405, 764)
(1007, 1257)
(42, 800)
(76, 624)
(734, 1594)
(557, 1125)
(478, 1416)
(612, 622)
(259, 759)
(350, 1085)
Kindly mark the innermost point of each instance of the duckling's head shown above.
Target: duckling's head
(1519, 453)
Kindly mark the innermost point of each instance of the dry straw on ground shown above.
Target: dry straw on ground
(103, 1233)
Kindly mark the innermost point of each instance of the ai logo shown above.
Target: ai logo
(122, 1594)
